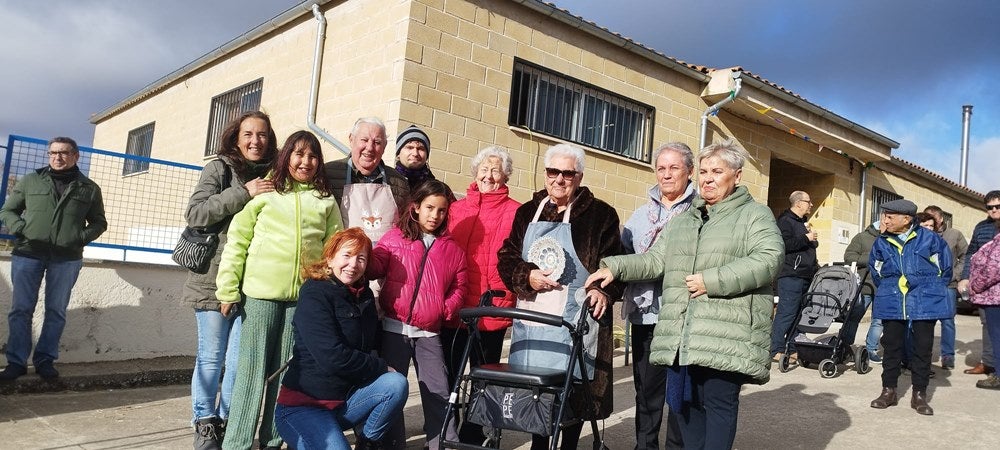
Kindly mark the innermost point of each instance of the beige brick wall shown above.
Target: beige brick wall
(457, 76)
(966, 211)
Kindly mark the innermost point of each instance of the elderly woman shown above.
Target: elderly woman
(717, 261)
(480, 222)
(566, 218)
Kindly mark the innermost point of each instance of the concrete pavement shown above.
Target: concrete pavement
(796, 410)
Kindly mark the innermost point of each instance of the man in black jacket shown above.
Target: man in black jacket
(983, 233)
(796, 273)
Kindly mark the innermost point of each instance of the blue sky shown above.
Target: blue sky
(903, 68)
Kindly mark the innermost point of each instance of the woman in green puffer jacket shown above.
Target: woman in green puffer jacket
(717, 261)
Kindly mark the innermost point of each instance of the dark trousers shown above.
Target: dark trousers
(709, 422)
(790, 291)
(650, 395)
(569, 438)
(487, 351)
(893, 344)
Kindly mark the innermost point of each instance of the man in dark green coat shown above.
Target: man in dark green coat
(52, 212)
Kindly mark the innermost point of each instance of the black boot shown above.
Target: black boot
(886, 399)
(918, 401)
(206, 435)
(364, 443)
(12, 372)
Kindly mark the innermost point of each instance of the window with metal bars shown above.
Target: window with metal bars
(140, 143)
(879, 198)
(228, 106)
(556, 105)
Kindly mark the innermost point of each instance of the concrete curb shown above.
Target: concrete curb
(106, 375)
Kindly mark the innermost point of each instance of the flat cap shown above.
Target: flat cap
(901, 206)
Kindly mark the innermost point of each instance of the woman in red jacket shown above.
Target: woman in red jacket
(480, 222)
(425, 278)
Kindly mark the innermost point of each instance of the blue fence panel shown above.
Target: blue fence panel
(145, 210)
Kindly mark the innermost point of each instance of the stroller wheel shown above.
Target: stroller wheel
(783, 363)
(828, 368)
(861, 364)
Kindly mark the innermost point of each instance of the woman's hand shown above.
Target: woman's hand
(598, 302)
(603, 275)
(226, 308)
(259, 186)
(695, 284)
(540, 281)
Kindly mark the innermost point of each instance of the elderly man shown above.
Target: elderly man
(796, 272)
(958, 246)
(53, 212)
(671, 195)
(413, 149)
(910, 267)
(984, 232)
(370, 192)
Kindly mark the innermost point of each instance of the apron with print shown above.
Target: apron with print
(370, 206)
(535, 344)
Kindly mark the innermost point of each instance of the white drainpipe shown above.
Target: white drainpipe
(314, 88)
(862, 222)
(716, 107)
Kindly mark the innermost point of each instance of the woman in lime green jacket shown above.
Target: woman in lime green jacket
(268, 241)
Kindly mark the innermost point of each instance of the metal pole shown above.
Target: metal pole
(963, 177)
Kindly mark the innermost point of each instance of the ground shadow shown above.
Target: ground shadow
(782, 427)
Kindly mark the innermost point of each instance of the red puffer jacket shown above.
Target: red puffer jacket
(423, 287)
(480, 222)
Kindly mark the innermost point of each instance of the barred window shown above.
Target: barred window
(559, 106)
(140, 143)
(879, 198)
(228, 106)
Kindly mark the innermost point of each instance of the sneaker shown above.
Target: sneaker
(991, 382)
(206, 436)
(12, 372)
(947, 362)
(874, 358)
(47, 371)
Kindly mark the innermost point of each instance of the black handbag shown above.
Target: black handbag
(195, 249)
(197, 245)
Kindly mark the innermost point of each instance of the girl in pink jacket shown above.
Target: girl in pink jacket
(425, 283)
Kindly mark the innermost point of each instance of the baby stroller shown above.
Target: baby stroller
(834, 295)
(522, 398)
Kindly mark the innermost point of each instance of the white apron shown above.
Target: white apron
(536, 344)
(370, 206)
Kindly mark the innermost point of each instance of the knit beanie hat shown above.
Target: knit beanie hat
(413, 134)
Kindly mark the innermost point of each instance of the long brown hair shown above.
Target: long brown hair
(354, 237)
(230, 138)
(280, 177)
(408, 223)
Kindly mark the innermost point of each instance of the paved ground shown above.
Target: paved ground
(796, 410)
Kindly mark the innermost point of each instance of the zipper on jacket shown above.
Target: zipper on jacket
(298, 247)
(416, 288)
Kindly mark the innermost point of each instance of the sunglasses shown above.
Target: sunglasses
(993, 207)
(567, 174)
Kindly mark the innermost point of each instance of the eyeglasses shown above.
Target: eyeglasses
(567, 174)
(992, 207)
(62, 154)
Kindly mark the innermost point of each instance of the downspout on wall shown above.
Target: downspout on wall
(716, 107)
(862, 222)
(314, 84)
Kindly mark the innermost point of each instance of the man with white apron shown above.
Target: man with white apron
(371, 194)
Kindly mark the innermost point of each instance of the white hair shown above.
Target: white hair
(506, 163)
(568, 151)
(368, 121)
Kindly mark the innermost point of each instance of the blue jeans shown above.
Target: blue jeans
(790, 291)
(26, 277)
(376, 405)
(992, 327)
(218, 345)
(948, 328)
(874, 329)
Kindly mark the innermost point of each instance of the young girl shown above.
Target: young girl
(334, 382)
(425, 284)
(268, 240)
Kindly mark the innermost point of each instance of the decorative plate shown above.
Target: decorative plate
(547, 254)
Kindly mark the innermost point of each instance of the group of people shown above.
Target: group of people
(331, 279)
